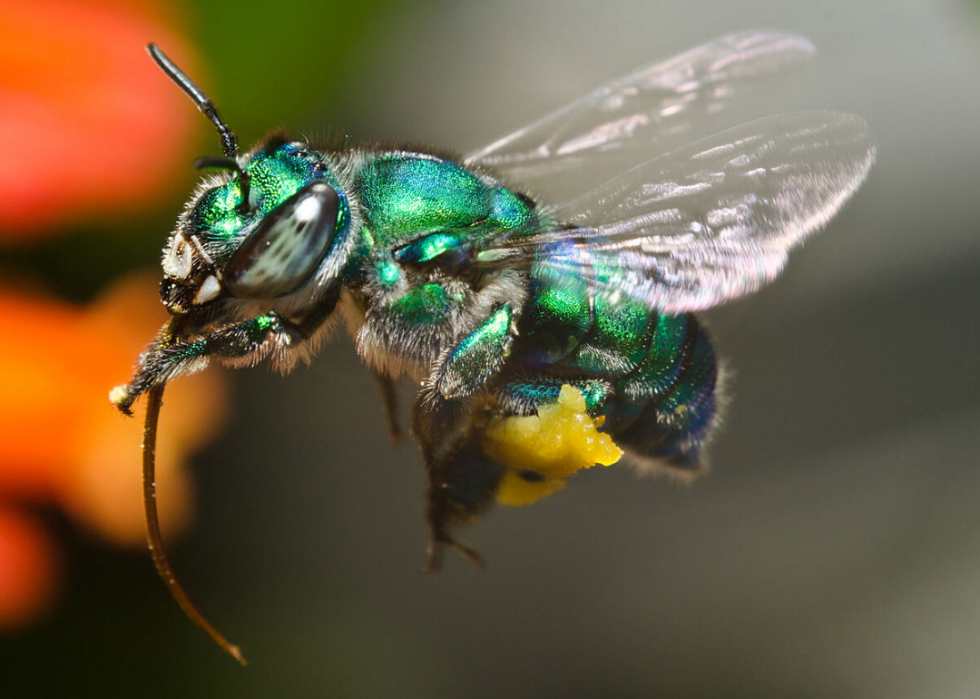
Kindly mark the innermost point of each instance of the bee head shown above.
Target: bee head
(260, 228)
(260, 231)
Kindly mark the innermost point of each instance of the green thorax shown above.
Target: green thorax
(410, 197)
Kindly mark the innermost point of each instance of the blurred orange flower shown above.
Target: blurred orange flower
(28, 567)
(88, 130)
(62, 442)
(89, 125)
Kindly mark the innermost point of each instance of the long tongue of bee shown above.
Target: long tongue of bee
(154, 400)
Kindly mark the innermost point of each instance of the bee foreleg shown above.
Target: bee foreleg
(389, 407)
(249, 340)
(166, 360)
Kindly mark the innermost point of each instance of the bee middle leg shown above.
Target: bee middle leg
(389, 407)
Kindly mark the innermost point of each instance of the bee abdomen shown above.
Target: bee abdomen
(672, 394)
(661, 369)
(586, 335)
(668, 354)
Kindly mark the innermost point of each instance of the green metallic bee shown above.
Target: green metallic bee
(504, 303)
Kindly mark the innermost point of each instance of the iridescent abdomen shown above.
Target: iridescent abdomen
(651, 376)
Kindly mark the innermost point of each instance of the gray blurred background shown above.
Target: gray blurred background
(834, 550)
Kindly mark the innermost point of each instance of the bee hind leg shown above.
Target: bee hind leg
(438, 542)
(438, 425)
(460, 479)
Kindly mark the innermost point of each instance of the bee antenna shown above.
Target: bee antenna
(229, 145)
(154, 399)
(220, 162)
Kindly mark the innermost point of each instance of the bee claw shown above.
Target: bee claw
(122, 400)
(433, 564)
(435, 554)
(475, 558)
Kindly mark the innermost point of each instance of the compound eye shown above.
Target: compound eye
(287, 246)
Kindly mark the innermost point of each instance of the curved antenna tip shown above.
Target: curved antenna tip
(229, 145)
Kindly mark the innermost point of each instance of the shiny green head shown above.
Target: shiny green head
(272, 174)
(260, 232)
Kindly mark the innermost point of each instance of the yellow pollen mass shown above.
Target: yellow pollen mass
(541, 451)
(118, 394)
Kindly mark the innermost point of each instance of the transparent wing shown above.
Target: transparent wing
(709, 222)
(646, 113)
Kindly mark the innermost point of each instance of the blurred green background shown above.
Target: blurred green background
(833, 552)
